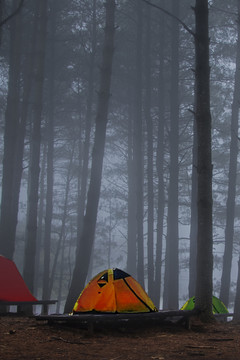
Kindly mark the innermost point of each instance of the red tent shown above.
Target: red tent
(12, 285)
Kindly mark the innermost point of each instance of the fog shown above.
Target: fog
(51, 75)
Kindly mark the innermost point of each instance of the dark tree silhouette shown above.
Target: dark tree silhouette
(86, 240)
(204, 163)
(170, 296)
(232, 180)
(10, 190)
(204, 157)
(34, 167)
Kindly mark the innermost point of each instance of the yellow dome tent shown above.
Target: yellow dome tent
(113, 291)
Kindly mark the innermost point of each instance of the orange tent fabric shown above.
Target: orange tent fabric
(12, 285)
(113, 291)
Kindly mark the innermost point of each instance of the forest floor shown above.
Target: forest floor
(25, 338)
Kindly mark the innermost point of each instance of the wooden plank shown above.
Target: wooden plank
(90, 320)
(18, 303)
(119, 319)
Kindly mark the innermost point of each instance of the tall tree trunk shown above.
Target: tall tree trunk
(131, 232)
(236, 316)
(88, 124)
(232, 177)
(149, 123)
(86, 240)
(29, 46)
(193, 226)
(138, 146)
(8, 219)
(172, 263)
(40, 230)
(15, 10)
(204, 164)
(1, 18)
(50, 157)
(160, 164)
(62, 234)
(31, 228)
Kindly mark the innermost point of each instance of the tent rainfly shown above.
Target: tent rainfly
(218, 306)
(113, 291)
(12, 285)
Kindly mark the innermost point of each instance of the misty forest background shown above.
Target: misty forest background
(50, 62)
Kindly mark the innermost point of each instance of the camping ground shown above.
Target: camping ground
(26, 338)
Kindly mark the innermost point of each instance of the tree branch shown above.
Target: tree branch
(13, 14)
(171, 15)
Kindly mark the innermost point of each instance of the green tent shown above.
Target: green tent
(218, 306)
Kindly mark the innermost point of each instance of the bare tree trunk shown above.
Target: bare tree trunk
(8, 220)
(193, 226)
(86, 240)
(1, 18)
(16, 9)
(160, 165)
(50, 157)
(232, 177)
(88, 124)
(40, 230)
(204, 164)
(131, 237)
(171, 262)
(149, 123)
(62, 234)
(138, 146)
(31, 228)
(236, 316)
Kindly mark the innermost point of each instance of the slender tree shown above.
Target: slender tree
(131, 223)
(86, 240)
(62, 233)
(160, 162)
(8, 219)
(50, 156)
(232, 179)
(138, 145)
(236, 316)
(193, 223)
(204, 163)
(34, 168)
(171, 261)
(16, 9)
(88, 122)
(149, 123)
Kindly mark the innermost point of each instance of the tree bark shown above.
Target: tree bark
(160, 165)
(149, 124)
(131, 232)
(40, 230)
(8, 220)
(34, 168)
(62, 234)
(16, 9)
(236, 316)
(86, 240)
(138, 146)
(172, 263)
(88, 125)
(204, 164)
(232, 178)
(193, 225)
(50, 158)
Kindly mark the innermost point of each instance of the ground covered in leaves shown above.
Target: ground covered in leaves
(26, 338)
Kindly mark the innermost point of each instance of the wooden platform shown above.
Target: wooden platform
(90, 320)
(24, 307)
(18, 303)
